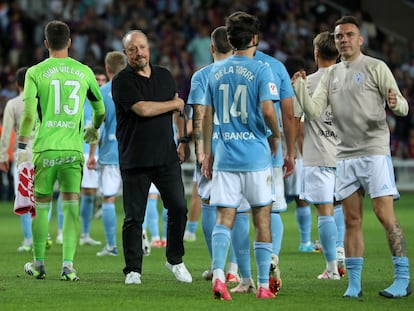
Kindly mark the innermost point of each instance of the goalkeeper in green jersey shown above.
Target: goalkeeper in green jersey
(54, 96)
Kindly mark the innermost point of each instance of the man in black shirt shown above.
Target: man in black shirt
(146, 98)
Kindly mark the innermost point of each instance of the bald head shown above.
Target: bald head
(136, 48)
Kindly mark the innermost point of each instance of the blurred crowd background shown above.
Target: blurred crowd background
(179, 34)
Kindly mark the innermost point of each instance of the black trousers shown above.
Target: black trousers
(136, 183)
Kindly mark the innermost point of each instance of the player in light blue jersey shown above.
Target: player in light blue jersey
(284, 111)
(110, 176)
(90, 178)
(303, 210)
(240, 96)
(220, 49)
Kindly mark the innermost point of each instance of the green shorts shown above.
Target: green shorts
(63, 166)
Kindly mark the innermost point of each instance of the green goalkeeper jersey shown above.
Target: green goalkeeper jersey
(54, 95)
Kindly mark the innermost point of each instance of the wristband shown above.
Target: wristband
(184, 140)
(21, 145)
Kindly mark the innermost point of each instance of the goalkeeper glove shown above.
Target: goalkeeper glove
(22, 156)
(91, 135)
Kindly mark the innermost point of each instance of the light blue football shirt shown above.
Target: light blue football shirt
(282, 80)
(198, 88)
(236, 87)
(87, 117)
(108, 147)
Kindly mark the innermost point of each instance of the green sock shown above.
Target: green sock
(40, 227)
(70, 228)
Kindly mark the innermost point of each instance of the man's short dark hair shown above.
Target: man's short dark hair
(241, 27)
(219, 40)
(347, 20)
(20, 76)
(57, 34)
(294, 63)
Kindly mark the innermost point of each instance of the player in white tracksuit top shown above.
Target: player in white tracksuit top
(358, 89)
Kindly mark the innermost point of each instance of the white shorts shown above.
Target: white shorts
(204, 191)
(203, 185)
(229, 188)
(111, 180)
(153, 189)
(294, 181)
(90, 178)
(197, 168)
(375, 174)
(279, 205)
(318, 184)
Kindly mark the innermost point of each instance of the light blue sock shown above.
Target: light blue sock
(241, 244)
(400, 286)
(220, 243)
(145, 222)
(327, 235)
(26, 223)
(151, 216)
(340, 225)
(192, 226)
(164, 223)
(304, 221)
(277, 228)
(86, 211)
(208, 220)
(263, 255)
(59, 213)
(354, 270)
(109, 222)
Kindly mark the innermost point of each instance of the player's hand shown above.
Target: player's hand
(179, 102)
(297, 75)
(91, 163)
(4, 166)
(207, 167)
(183, 152)
(22, 156)
(288, 165)
(91, 135)
(391, 98)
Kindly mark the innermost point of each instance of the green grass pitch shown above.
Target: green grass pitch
(102, 283)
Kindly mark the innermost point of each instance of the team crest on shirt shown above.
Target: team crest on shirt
(273, 89)
(359, 77)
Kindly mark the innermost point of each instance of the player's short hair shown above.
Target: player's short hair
(219, 40)
(241, 27)
(115, 61)
(294, 64)
(99, 70)
(57, 34)
(21, 75)
(325, 43)
(347, 20)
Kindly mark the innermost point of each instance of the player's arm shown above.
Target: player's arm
(6, 133)
(289, 131)
(91, 163)
(269, 115)
(389, 89)
(207, 132)
(29, 110)
(198, 112)
(315, 105)
(98, 107)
